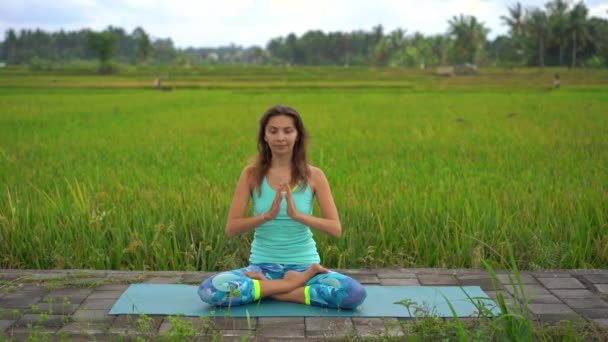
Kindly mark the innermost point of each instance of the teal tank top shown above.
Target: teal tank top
(283, 240)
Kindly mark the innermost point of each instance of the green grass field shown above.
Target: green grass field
(107, 173)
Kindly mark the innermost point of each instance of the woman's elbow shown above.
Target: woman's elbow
(337, 231)
(230, 232)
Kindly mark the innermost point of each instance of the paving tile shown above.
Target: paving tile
(199, 325)
(471, 272)
(92, 316)
(237, 335)
(97, 304)
(196, 278)
(553, 312)
(528, 291)
(82, 331)
(551, 274)
(593, 312)
(350, 271)
(602, 322)
(494, 295)
(561, 283)
(437, 279)
(78, 282)
(104, 295)
(20, 301)
(126, 276)
(396, 274)
(13, 275)
(163, 280)
(484, 281)
(280, 327)
(328, 327)
(375, 327)
(399, 282)
(112, 287)
(234, 323)
(573, 293)
(41, 320)
(4, 324)
(11, 314)
(586, 303)
(134, 324)
(165, 274)
(38, 333)
(597, 278)
(57, 308)
(545, 299)
(366, 278)
(541, 309)
(509, 278)
(71, 295)
(85, 327)
(33, 289)
(603, 288)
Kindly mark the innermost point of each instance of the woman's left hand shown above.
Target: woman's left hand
(292, 211)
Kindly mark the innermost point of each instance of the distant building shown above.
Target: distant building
(445, 71)
(212, 56)
(2, 65)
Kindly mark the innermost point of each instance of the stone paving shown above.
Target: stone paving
(74, 304)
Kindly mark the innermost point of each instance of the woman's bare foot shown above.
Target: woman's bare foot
(300, 278)
(255, 275)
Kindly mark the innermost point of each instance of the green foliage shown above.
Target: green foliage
(537, 36)
(139, 179)
(469, 39)
(513, 323)
(104, 46)
(39, 64)
(595, 62)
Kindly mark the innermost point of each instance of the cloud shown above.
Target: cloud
(599, 10)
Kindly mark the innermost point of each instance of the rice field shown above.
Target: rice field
(107, 173)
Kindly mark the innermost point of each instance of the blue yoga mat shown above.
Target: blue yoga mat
(175, 299)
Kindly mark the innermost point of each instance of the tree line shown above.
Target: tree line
(560, 34)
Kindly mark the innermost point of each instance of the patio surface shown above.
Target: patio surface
(74, 304)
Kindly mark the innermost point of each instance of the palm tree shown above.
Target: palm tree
(397, 39)
(144, 46)
(469, 37)
(514, 20)
(557, 11)
(516, 26)
(537, 25)
(577, 26)
(439, 46)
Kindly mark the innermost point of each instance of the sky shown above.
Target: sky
(204, 23)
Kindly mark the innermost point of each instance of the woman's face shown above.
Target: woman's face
(281, 134)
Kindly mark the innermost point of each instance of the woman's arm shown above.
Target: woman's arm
(329, 223)
(238, 222)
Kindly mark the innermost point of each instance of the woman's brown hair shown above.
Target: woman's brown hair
(300, 172)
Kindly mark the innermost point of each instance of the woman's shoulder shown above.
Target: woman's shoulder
(315, 171)
(249, 168)
(249, 174)
(316, 175)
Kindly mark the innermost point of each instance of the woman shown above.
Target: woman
(284, 262)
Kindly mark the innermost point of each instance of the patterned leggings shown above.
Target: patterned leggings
(329, 290)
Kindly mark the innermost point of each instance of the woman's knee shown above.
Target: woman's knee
(207, 292)
(227, 288)
(356, 295)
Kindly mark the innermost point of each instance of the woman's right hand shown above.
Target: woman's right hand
(276, 207)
